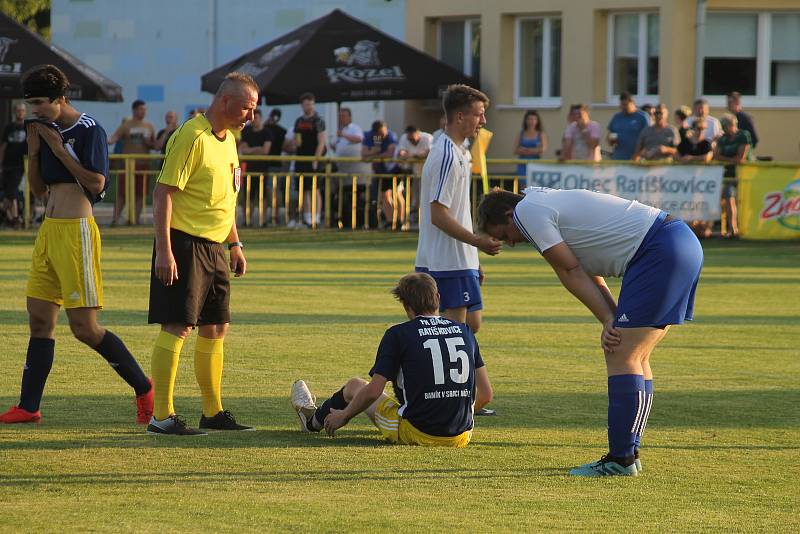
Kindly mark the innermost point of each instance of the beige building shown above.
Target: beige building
(548, 54)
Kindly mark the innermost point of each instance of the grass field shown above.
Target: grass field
(721, 450)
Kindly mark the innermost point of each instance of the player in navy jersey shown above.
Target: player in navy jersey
(436, 370)
(69, 166)
(586, 236)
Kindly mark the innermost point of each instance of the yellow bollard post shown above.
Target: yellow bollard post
(274, 199)
(354, 203)
(286, 196)
(314, 206)
(407, 224)
(367, 201)
(328, 167)
(340, 204)
(394, 203)
(300, 179)
(247, 181)
(130, 190)
(260, 200)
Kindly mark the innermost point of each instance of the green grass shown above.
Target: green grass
(721, 450)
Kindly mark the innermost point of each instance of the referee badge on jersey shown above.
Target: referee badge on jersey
(237, 178)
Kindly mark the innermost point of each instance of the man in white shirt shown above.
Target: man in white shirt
(414, 144)
(448, 247)
(586, 236)
(713, 126)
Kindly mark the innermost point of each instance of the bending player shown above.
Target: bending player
(585, 236)
(68, 166)
(437, 373)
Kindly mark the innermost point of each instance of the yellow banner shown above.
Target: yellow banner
(479, 148)
(769, 202)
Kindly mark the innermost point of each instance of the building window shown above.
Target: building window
(633, 55)
(756, 54)
(460, 45)
(538, 61)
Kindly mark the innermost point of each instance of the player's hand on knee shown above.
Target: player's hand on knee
(610, 337)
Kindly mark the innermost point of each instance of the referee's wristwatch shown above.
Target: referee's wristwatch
(236, 244)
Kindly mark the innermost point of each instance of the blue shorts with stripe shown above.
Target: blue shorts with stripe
(457, 289)
(659, 285)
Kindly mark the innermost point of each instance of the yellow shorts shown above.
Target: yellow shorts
(66, 264)
(395, 429)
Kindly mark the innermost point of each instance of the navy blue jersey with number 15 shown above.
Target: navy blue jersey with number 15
(431, 363)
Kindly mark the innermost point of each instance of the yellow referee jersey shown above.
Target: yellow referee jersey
(206, 171)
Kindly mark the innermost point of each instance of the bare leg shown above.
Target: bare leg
(352, 387)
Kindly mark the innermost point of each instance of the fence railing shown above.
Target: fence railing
(277, 196)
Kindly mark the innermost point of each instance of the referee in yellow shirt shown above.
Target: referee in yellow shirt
(194, 208)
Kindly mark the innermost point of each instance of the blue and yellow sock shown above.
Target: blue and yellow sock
(626, 406)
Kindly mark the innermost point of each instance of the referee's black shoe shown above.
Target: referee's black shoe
(173, 425)
(224, 420)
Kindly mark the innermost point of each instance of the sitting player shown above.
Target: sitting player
(438, 393)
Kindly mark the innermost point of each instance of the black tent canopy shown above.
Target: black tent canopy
(340, 58)
(21, 49)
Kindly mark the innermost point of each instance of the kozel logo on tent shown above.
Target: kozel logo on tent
(361, 64)
(783, 206)
(8, 68)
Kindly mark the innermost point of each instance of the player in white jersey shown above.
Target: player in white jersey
(586, 236)
(448, 247)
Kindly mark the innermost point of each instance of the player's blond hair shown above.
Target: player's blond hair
(418, 291)
(234, 82)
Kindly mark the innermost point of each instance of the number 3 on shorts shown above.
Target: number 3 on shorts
(466, 296)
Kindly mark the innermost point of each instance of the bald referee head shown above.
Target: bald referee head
(234, 102)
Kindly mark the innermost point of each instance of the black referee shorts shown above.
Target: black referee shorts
(201, 294)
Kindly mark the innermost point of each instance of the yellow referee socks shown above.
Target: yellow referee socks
(208, 370)
(166, 353)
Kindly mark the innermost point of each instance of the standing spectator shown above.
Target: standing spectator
(138, 136)
(680, 117)
(713, 127)
(194, 215)
(695, 146)
(278, 134)
(414, 144)
(659, 141)
(744, 119)
(349, 137)
(530, 142)
(309, 138)
(650, 110)
(582, 138)
(572, 116)
(256, 140)
(380, 142)
(163, 135)
(347, 144)
(13, 147)
(733, 147)
(625, 127)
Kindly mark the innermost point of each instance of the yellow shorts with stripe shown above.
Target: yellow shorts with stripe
(66, 264)
(397, 430)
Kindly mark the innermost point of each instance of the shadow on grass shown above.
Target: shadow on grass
(111, 317)
(101, 421)
(276, 476)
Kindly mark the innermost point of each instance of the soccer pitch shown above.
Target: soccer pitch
(720, 452)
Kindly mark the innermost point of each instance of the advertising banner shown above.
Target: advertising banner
(688, 192)
(769, 202)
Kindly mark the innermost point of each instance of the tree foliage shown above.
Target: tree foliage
(35, 14)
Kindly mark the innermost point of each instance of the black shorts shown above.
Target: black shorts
(201, 294)
(12, 177)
